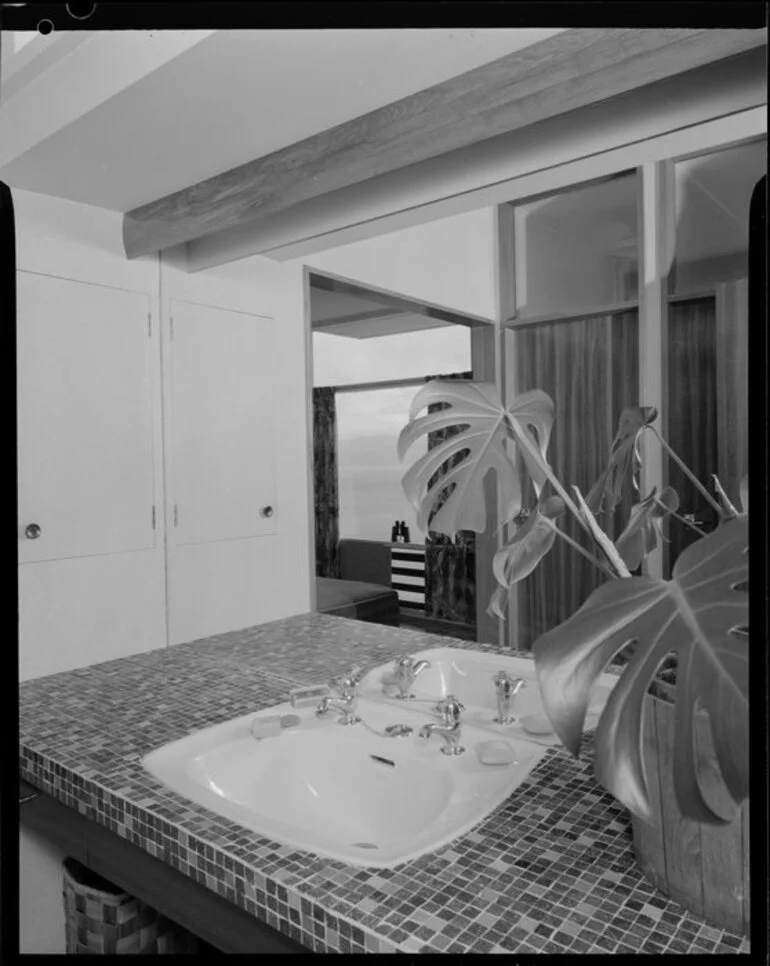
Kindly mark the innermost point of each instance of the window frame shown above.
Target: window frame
(654, 161)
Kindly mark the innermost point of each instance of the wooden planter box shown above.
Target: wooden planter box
(703, 867)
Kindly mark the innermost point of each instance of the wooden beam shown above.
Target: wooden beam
(571, 70)
(691, 112)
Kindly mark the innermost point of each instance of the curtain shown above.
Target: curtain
(325, 478)
(708, 401)
(450, 563)
(732, 377)
(589, 367)
(692, 414)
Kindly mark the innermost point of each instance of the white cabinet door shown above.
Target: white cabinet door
(223, 396)
(85, 446)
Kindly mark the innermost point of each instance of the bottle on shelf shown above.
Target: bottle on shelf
(394, 532)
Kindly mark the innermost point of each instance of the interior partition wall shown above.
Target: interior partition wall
(632, 289)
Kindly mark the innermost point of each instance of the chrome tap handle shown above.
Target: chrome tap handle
(450, 708)
(449, 730)
(345, 706)
(356, 674)
(403, 665)
(506, 689)
(347, 684)
(406, 670)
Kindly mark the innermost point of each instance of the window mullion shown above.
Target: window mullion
(657, 231)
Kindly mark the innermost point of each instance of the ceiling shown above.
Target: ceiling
(235, 96)
(357, 317)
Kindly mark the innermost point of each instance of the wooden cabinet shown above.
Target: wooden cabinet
(222, 452)
(163, 461)
(85, 435)
(236, 447)
(90, 578)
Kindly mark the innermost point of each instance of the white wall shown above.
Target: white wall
(449, 263)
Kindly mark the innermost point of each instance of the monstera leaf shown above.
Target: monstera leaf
(485, 440)
(531, 542)
(640, 536)
(699, 615)
(624, 459)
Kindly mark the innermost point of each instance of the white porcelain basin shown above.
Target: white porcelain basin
(468, 674)
(345, 792)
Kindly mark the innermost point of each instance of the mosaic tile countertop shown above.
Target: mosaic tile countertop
(550, 870)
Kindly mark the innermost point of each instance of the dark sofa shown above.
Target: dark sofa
(363, 590)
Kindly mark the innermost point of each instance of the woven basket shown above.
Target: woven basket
(100, 918)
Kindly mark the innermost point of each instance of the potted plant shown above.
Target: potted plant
(700, 615)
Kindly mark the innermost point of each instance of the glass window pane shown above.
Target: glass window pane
(712, 193)
(370, 494)
(577, 250)
(707, 417)
(340, 360)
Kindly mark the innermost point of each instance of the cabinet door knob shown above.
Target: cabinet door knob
(32, 531)
(266, 511)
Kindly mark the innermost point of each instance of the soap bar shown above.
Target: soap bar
(537, 724)
(308, 697)
(495, 752)
(266, 727)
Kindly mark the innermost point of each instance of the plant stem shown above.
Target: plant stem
(523, 440)
(601, 537)
(687, 523)
(721, 493)
(687, 471)
(573, 543)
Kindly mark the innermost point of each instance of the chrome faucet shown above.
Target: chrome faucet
(449, 728)
(506, 689)
(406, 670)
(347, 701)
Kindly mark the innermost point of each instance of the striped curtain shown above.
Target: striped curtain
(589, 367)
(450, 563)
(708, 419)
(732, 384)
(325, 479)
(691, 427)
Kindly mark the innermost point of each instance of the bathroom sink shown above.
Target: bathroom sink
(468, 674)
(349, 793)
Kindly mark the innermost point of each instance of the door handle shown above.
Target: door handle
(32, 531)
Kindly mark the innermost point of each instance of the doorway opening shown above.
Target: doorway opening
(372, 351)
